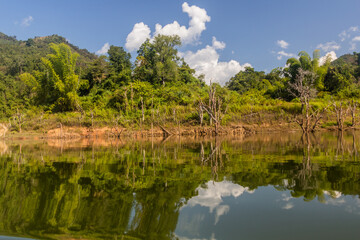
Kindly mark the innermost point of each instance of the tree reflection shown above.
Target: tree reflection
(138, 188)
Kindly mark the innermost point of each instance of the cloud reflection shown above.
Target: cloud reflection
(212, 196)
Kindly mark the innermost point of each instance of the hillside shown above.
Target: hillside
(24, 56)
(352, 60)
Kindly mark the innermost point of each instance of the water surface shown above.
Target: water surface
(275, 186)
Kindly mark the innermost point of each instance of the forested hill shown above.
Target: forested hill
(24, 56)
(352, 60)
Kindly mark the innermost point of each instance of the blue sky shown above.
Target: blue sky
(222, 37)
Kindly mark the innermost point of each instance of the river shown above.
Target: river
(268, 186)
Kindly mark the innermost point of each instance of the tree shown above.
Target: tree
(305, 62)
(166, 57)
(119, 59)
(303, 88)
(246, 80)
(58, 83)
(157, 61)
(339, 78)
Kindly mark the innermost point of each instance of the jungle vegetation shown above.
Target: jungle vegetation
(47, 80)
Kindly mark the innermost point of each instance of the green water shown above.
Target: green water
(275, 186)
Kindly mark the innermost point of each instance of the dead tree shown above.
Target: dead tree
(213, 109)
(352, 108)
(3, 130)
(201, 113)
(142, 110)
(303, 88)
(126, 100)
(19, 118)
(116, 130)
(340, 115)
(132, 97)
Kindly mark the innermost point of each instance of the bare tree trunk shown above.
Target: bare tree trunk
(132, 97)
(152, 116)
(340, 115)
(352, 108)
(142, 109)
(19, 118)
(126, 100)
(201, 114)
(92, 119)
(213, 109)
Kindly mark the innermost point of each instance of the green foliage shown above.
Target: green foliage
(119, 59)
(51, 74)
(246, 80)
(58, 84)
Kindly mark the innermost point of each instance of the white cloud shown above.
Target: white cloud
(104, 49)
(27, 21)
(282, 54)
(356, 39)
(137, 36)
(347, 33)
(218, 45)
(343, 36)
(282, 44)
(329, 46)
(206, 61)
(353, 43)
(197, 24)
(354, 29)
(330, 55)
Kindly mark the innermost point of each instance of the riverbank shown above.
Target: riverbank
(159, 131)
(69, 126)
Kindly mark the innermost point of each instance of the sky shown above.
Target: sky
(220, 38)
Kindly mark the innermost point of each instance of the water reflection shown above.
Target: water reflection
(113, 189)
(210, 195)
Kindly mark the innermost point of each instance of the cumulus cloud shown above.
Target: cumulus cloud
(282, 54)
(282, 44)
(328, 56)
(206, 61)
(197, 24)
(27, 21)
(104, 49)
(218, 45)
(329, 46)
(137, 36)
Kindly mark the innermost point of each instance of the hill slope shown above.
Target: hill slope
(24, 56)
